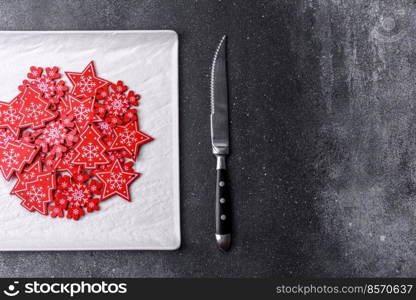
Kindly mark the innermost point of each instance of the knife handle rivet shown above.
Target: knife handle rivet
(221, 183)
(222, 200)
(223, 217)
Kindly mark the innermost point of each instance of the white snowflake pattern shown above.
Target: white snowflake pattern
(105, 128)
(128, 137)
(34, 110)
(10, 158)
(36, 194)
(82, 112)
(103, 125)
(11, 116)
(29, 176)
(55, 133)
(45, 85)
(78, 194)
(5, 138)
(117, 103)
(90, 151)
(116, 181)
(86, 84)
(69, 157)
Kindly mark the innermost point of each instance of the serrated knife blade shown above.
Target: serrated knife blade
(220, 143)
(219, 100)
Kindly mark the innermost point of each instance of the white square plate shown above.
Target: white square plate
(147, 62)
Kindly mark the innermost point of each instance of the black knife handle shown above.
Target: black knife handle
(222, 206)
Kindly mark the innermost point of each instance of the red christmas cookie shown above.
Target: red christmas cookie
(29, 174)
(83, 111)
(34, 110)
(15, 156)
(90, 151)
(9, 115)
(129, 138)
(116, 181)
(86, 83)
(38, 193)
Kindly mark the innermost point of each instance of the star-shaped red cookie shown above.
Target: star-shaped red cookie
(9, 115)
(34, 109)
(15, 156)
(86, 83)
(116, 181)
(38, 193)
(83, 111)
(129, 138)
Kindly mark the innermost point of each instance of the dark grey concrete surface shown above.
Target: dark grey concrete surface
(323, 136)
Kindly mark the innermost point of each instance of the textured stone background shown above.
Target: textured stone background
(323, 136)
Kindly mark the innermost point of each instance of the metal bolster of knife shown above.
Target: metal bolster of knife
(221, 164)
(220, 143)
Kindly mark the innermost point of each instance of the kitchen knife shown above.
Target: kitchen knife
(220, 143)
